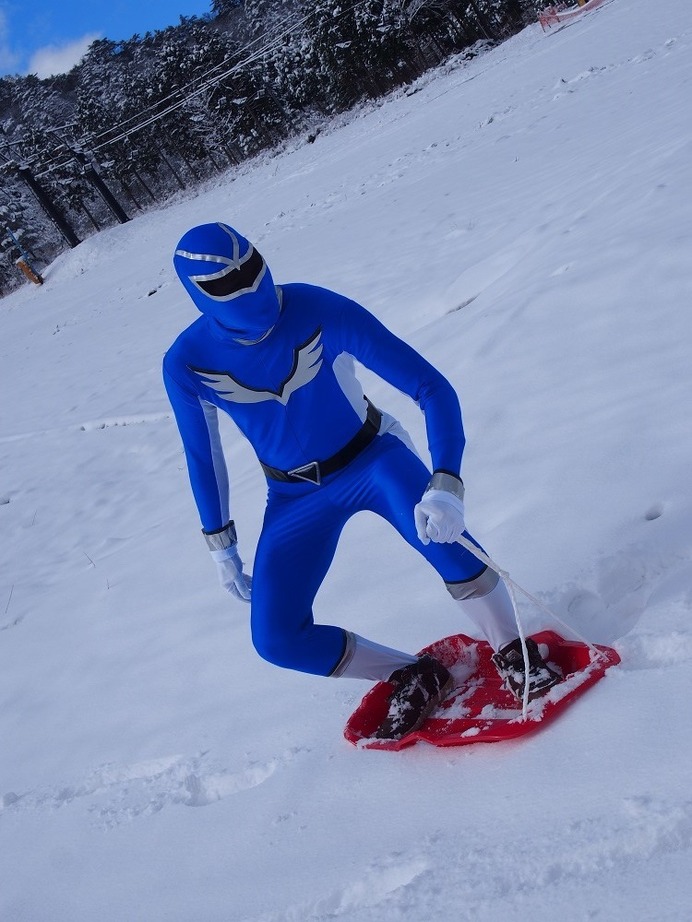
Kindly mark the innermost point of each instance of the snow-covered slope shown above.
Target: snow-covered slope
(525, 220)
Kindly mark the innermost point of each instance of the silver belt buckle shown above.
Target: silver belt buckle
(310, 473)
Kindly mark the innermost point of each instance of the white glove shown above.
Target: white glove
(231, 576)
(439, 515)
(224, 552)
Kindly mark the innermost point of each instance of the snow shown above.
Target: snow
(524, 220)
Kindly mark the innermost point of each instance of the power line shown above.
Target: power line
(208, 79)
(212, 81)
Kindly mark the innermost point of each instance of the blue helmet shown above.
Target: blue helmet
(228, 279)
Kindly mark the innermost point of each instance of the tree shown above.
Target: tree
(158, 111)
(225, 7)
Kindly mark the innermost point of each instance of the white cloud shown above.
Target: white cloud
(59, 59)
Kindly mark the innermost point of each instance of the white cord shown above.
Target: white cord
(524, 651)
(512, 586)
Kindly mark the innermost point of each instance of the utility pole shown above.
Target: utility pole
(53, 212)
(94, 178)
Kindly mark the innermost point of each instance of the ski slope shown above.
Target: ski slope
(524, 220)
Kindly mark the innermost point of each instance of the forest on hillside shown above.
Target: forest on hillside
(140, 119)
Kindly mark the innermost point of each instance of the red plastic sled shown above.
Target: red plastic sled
(480, 709)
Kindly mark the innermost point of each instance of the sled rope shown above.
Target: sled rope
(482, 556)
(513, 586)
(522, 639)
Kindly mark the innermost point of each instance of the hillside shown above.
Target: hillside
(524, 220)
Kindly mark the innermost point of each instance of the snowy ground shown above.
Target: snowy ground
(525, 220)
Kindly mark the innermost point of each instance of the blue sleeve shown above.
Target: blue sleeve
(199, 430)
(376, 347)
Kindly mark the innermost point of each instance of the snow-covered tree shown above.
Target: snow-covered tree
(157, 112)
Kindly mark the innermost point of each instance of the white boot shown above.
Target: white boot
(493, 615)
(364, 659)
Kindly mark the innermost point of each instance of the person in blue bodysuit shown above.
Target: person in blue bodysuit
(280, 361)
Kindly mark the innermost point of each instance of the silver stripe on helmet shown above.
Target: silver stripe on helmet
(232, 262)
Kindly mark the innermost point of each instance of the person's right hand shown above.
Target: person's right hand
(231, 576)
(223, 546)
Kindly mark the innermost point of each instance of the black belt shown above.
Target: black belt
(315, 471)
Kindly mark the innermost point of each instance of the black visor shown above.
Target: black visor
(233, 280)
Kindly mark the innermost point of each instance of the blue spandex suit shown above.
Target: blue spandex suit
(280, 362)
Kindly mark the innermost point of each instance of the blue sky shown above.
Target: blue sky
(44, 37)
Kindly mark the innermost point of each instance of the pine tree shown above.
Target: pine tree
(156, 112)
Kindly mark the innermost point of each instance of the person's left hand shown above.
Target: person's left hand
(439, 515)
